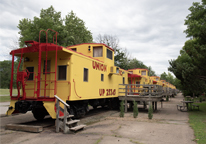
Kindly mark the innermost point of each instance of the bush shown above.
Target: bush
(200, 99)
(150, 112)
(135, 109)
(121, 109)
(167, 98)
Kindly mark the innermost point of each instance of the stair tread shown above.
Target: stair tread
(76, 128)
(69, 116)
(72, 122)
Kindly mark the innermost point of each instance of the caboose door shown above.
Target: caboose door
(45, 78)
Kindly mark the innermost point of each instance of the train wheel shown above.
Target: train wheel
(39, 114)
(94, 107)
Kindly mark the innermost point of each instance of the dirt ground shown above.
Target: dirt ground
(168, 126)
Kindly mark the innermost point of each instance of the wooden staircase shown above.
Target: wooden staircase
(65, 123)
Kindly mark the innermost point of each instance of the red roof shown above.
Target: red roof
(138, 68)
(133, 75)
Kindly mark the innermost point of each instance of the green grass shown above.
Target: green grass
(4, 98)
(7, 92)
(197, 120)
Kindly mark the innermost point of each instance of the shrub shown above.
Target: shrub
(167, 98)
(150, 112)
(121, 109)
(135, 109)
(200, 99)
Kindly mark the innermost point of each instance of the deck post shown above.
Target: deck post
(57, 116)
(149, 95)
(65, 118)
(125, 103)
(155, 105)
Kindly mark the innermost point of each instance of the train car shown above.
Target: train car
(156, 80)
(138, 76)
(80, 75)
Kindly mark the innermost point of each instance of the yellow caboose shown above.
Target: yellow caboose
(80, 75)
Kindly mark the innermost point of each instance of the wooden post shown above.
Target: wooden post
(149, 95)
(155, 105)
(161, 105)
(57, 115)
(65, 118)
(125, 103)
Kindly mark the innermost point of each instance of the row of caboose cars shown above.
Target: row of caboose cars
(80, 75)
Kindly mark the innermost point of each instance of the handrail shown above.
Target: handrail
(61, 101)
(58, 109)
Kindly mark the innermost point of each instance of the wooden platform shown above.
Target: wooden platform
(141, 98)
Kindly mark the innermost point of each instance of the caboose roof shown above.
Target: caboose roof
(138, 69)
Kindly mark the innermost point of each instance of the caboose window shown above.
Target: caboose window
(48, 66)
(85, 74)
(31, 73)
(74, 49)
(102, 77)
(109, 54)
(123, 81)
(143, 73)
(137, 83)
(97, 51)
(62, 72)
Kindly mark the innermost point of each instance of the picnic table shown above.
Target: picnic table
(182, 107)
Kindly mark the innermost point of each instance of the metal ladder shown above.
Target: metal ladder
(65, 123)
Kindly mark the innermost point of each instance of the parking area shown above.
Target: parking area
(105, 127)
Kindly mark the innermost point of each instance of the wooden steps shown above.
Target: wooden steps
(72, 122)
(69, 116)
(65, 123)
(76, 128)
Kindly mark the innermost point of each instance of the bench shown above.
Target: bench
(181, 108)
(196, 106)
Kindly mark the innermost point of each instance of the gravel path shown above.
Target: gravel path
(168, 126)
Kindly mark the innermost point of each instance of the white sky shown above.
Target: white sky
(151, 30)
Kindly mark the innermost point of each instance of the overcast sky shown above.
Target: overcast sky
(151, 30)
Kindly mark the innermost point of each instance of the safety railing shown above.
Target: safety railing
(58, 109)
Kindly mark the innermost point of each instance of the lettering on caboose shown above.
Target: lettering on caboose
(99, 66)
(109, 92)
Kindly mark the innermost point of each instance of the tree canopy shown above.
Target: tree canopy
(189, 67)
(71, 29)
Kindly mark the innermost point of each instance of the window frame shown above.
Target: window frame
(65, 72)
(31, 73)
(102, 77)
(108, 50)
(101, 51)
(87, 77)
(48, 61)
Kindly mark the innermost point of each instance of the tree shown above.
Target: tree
(134, 63)
(121, 56)
(189, 67)
(5, 73)
(163, 76)
(71, 29)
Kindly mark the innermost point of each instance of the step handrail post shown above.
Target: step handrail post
(57, 115)
(58, 100)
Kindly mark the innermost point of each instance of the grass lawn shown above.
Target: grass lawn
(4, 98)
(197, 120)
(7, 92)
